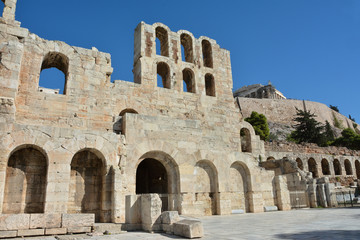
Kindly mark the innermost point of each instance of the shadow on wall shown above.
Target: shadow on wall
(329, 234)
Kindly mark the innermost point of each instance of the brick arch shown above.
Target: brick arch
(170, 66)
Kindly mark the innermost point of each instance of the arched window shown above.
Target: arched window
(325, 167)
(188, 80)
(54, 73)
(163, 75)
(162, 40)
(209, 85)
(348, 168)
(187, 48)
(245, 138)
(357, 167)
(337, 167)
(127, 110)
(313, 167)
(207, 53)
(300, 163)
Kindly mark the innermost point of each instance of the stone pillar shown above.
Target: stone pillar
(282, 193)
(321, 195)
(133, 209)
(9, 10)
(116, 206)
(225, 203)
(150, 212)
(311, 189)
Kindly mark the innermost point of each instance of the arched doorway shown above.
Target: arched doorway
(337, 167)
(151, 177)
(300, 164)
(348, 168)
(240, 187)
(357, 167)
(206, 187)
(313, 167)
(157, 172)
(325, 167)
(86, 183)
(245, 138)
(25, 184)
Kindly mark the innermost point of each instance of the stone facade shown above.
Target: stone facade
(175, 131)
(259, 91)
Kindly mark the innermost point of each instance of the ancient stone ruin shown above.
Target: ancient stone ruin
(139, 153)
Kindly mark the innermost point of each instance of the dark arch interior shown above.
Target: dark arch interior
(207, 53)
(209, 85)
(313, 167)
(151, 177)
(348, 169)
(300, 163)
(245, 138)
(325, 167)
(186, 43)
(25, 185)
(337, 167)
(357, 167)
(162, 36)
(188, 78)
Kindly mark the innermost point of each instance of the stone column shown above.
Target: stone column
(311, 189)
(9, 10)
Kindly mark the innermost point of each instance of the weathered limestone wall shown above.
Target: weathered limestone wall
(282, 111)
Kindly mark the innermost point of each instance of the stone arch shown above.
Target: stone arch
(240, 186)
(348, 167)
(209, 85)
(337, 167)
(166, 168)
(207, 53)
(127, 110)
(299, 163)
(189, 80)
(325, 167)
(58, 61)
(162, 35)
(163, 70)
(187, 45)
(245, 138)
(206, 187)
(357, 168)
(86, 191)
(26, 180)
(313, 167)
(270, 159)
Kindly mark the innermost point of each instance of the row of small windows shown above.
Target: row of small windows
(163, 79)
(187, 52)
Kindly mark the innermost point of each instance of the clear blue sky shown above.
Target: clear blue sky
(309, 49)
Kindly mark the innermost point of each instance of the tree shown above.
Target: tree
(260, 125)
(307, 128)
(351, 118)
(349, 139)
(335, 108)
(328, 134)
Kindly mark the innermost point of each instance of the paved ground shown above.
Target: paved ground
(336, 223)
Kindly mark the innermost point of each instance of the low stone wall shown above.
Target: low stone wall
(308, 148)
(23, 225)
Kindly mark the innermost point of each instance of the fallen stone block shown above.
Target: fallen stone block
(189, 229)
(79, 229)
(30, 232)
(55, 231)
(237, 211)
(169, 217)
(14, 221)
(270, 208)
(8, 234)
(78, 220)
(111, 228)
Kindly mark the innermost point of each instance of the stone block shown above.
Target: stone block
(31, 232)
(78, 229)
(55, 231)
(237, 211)
(14, 221)
(45, 220)
(169, 217)
(77, 220)
(8, 234)
(189, 229)
(150, 212)
(270, 208)
(168, 228)
(111, 228)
